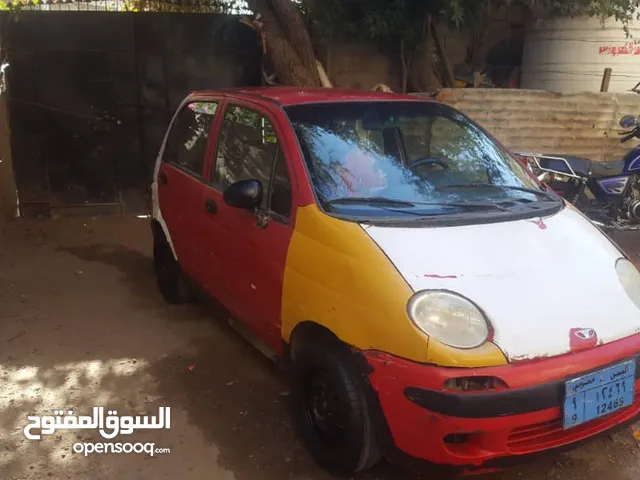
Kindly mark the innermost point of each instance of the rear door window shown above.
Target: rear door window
(187, 141)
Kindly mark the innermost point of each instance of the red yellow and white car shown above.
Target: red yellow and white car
(430, 299)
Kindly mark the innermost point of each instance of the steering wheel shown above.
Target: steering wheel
(430, 161)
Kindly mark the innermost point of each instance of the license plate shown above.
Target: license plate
(598, 394)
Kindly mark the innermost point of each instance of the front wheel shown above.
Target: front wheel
(332, 412)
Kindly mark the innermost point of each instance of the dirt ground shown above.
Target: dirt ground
(82, 324)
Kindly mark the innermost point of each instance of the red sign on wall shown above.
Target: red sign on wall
(628, 49)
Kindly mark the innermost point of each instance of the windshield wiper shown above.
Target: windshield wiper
(391, 202)
(533, 191)
(383, 201)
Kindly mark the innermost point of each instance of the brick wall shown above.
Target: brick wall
(583, 124)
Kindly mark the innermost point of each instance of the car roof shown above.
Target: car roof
(299, 95)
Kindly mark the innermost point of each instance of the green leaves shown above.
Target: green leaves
(365, 19)
(386, 18)
(14, 6)
(623, 11)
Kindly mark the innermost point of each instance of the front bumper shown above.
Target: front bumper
(481, 431)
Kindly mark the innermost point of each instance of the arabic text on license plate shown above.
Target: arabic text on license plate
(598, 394)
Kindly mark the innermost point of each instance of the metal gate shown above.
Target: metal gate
(91, 94)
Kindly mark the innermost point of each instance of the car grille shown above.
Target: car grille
(549, 434)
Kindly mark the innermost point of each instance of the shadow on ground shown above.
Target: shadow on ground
(237, 397)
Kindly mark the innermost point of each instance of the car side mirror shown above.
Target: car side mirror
(245, 194)
(628, 121)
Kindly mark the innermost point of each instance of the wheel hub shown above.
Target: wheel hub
(321, 408)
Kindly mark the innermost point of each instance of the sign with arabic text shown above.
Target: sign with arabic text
(630, 48)
(109, 426)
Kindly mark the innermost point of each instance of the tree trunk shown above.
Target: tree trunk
(286, 41)
(422, 74)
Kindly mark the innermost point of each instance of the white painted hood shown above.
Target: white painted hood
(535, 284)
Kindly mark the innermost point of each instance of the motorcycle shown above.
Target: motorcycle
(608, 193)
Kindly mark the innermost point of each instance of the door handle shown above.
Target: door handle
(163, 178)
(210, 205)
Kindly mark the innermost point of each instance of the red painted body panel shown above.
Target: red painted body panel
(419, 432)
(180, 202)
(247, 268)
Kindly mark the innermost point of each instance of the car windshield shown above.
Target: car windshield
(408, 158)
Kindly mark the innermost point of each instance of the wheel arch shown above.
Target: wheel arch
(160, 233)
(308, 331)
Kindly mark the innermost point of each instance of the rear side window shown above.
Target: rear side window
(187, 142)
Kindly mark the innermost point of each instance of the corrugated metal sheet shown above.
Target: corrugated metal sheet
(583, 124)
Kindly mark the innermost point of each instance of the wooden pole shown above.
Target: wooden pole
(324, 78)
(606, 80)
(476, 79)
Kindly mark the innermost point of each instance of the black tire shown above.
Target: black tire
(347, 441)
(171, 283)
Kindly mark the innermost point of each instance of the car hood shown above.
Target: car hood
(536, 280)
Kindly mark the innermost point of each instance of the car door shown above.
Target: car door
(250, 248)
(181, 180)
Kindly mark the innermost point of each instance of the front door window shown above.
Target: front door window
(248, 148)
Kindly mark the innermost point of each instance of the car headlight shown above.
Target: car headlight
(448, 318)
(629, 278)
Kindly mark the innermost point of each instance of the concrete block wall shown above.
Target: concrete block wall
(534, 121)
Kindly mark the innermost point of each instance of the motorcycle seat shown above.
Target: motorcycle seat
(581, 166)
(607, 169)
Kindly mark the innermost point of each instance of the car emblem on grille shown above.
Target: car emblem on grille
(585, 333)
(582, 338)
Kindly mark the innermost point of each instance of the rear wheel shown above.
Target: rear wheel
(331, 409)
(171, 283)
